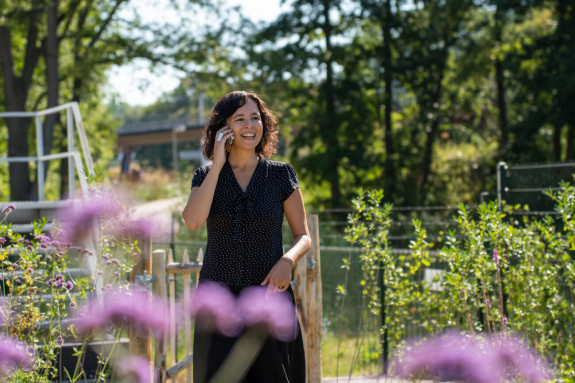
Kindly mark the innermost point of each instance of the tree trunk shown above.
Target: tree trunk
(388, 102)
(52, 72)
(501, 106)
(557, 142)
(432, 133)
(388, 75)
(16, 90)
(330, 128)
(500, 84)
(570, 137)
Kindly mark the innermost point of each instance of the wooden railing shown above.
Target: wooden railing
(306, 286)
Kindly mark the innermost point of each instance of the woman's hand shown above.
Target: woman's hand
(220, 146)
(279, 277)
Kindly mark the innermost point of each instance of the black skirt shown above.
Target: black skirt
(277, 361)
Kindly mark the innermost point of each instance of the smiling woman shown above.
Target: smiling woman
(242, 197)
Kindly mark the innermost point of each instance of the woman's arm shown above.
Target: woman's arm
(279, 276)
(200, 200)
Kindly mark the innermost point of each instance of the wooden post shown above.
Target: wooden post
(172, 292)
(313, 303)
(187, 322)
(307, 289)
(161, 291)
(141, 345)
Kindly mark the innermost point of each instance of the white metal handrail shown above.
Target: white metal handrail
(74, 119)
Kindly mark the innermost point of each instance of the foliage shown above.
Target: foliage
(494, 273)
(40, 291)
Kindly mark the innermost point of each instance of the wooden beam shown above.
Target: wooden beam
(141, 139)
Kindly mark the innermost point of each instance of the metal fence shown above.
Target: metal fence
(525, 184)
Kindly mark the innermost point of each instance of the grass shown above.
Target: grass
(338, 355)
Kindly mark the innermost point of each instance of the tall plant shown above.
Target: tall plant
(493, 273)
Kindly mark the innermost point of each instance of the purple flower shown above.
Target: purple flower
(515, 358)
(504, 321)
(214, 307)
(13, 353)
(136, 229)
(137, 367)
(487, 302)
(78, 220)
(448, 357)
(2, 240)
(8, 209)
(117, 307)
(42, 238)
(69, 285)
(105, 256)
(456, 357)
(275, 312)
(495, 257)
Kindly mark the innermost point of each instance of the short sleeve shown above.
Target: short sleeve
(289, 181)
(199, 176)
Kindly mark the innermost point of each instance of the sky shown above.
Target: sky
(136, 84)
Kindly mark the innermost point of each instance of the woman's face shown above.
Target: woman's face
(247, 126)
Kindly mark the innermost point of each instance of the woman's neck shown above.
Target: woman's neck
(242, 159)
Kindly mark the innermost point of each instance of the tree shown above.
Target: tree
(37, 37)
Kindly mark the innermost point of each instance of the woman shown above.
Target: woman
(242, 197)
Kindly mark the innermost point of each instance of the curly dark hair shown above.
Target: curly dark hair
(225, 107)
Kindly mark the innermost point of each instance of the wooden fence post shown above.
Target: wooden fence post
(161, 291)
(307, 275)
(141, 345)
(187, 321)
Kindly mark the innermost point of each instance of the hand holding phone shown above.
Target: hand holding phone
(229, 143)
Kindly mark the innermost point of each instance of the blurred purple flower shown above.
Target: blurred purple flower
(504, 321)
(9, 209)
(275, 311)
(138, 368)
(42, 238)
(495, 257)
(78, 219)
(2, 240)
(136, 229)
(214, 307)
(515, 358)
(141, 312)
(448, 357)
(13, 353)
(457, 357)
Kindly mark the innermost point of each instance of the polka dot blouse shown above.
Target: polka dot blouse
(245, 228)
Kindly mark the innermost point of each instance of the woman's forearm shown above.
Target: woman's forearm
(300, 246)
(200, 201)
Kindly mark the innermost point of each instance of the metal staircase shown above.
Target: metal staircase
(28, 211)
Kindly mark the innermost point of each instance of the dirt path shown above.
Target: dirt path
(160, 214)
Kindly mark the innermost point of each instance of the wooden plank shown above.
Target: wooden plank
(140, 344)
(161, 291)
(172, 292)
(313, 303)
(181, 268)
(187, 322)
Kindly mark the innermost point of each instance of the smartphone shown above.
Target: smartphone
(229, 143)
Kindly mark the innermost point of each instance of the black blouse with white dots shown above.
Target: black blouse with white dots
(245, 228)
